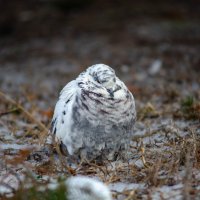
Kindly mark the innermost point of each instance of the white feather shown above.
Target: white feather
(94, 111)
(67, 94)
(84, 188)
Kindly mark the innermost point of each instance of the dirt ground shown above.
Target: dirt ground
(154, 48)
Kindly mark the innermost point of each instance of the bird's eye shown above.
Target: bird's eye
(96, 79)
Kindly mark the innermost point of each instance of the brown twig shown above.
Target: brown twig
(26, 113)
(8, 112)
(131, 195)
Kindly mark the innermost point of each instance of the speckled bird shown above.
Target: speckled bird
(94, 116)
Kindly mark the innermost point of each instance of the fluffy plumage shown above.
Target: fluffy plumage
(95, 115)
(84, 188)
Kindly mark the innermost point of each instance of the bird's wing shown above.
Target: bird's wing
(61, 122)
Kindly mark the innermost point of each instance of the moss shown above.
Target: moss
(34, 193)
(187, 102)
(147, 111)
(190, 108)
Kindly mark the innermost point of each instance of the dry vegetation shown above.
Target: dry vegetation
(156, 54)
(162, 155)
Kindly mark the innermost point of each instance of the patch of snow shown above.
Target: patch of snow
(155, 67)
(4, 190)
(139, 163)
(15, 146)
(168, 192)
(120, 186)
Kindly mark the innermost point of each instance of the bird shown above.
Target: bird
(94, 116)
(86, 188)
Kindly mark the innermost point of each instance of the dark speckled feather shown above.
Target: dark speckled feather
(95, 115)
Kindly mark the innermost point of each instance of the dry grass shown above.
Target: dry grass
(169, 158)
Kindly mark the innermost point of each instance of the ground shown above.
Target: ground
(154, 48)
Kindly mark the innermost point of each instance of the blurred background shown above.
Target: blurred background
(154, 46)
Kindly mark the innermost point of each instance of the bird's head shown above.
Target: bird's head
(103, 75)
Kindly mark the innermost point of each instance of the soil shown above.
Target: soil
(153, 47)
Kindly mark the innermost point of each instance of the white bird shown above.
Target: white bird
(94, 116)
(84, 188)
